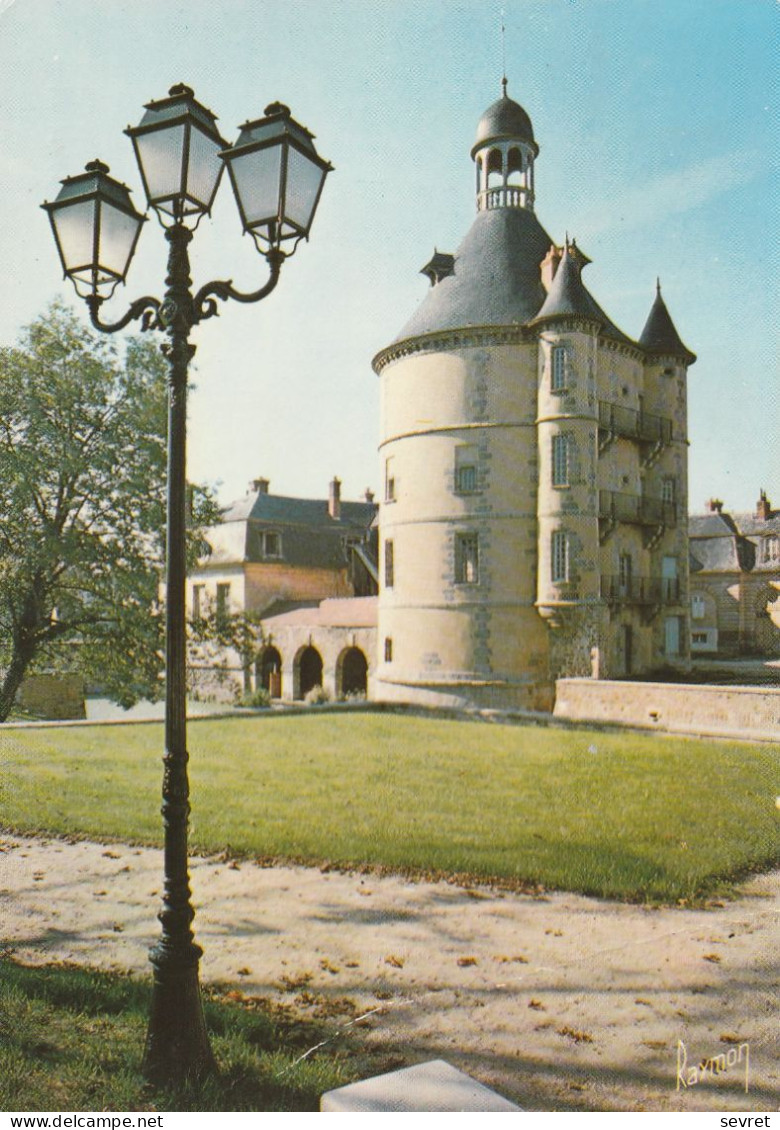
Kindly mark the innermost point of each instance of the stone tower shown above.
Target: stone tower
(526, 442)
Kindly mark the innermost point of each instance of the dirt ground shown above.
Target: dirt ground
(559, 1002)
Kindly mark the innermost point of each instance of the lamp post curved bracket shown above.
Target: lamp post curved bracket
(146, 309)
(205, 302)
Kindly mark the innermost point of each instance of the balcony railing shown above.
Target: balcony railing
(636, 509)
(509, 196)
(640, 590)
(618, 420)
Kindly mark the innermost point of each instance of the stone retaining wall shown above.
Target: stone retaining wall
(53, 696)
(747, 712)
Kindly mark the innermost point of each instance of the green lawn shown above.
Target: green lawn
(73, 1039)
(622, 815)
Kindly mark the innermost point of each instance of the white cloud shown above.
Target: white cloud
(649, 201)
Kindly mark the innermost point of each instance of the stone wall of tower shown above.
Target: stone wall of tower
(567, 495)
(627, 645)
(666, 394)
(453, 630)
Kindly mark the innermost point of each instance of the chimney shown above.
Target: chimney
(714, 505)
(369, 495)
(763, 507)
(550, 265)
(334, 498)
(260, 485)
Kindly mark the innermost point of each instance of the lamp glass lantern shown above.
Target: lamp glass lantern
(177, 147)
(96, 228)
(277, 177)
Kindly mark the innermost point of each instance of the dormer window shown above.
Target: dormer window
(270, 543)
(770, 549)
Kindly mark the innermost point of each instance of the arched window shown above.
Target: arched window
(268, 671)
(352, 672)
(308, 671)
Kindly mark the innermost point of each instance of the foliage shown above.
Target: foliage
(82, 499)
(258, 698)
(72, 1040)
(220, 643)
(620, 815)
(317, 696)
(354, 696)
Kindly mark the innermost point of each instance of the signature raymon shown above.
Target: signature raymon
(690, 1075)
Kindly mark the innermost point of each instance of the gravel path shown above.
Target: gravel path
(561, 1002)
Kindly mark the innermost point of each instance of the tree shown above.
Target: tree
(82, 507)
(222, 646)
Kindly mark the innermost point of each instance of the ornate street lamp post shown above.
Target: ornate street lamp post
(277, 179)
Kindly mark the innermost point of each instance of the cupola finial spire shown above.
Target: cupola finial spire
(503, 54)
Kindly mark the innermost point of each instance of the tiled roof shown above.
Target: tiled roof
(660, 336)
(715, 524)
(569, 296)
(729, 543)
(308, 535)
(496, 277)
(715, 554)
(349, 612)
(266, 507)
(752, 526)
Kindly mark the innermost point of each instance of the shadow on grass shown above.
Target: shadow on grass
(73, 1039)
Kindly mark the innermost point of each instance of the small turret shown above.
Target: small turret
(660, 336)
(504, 152)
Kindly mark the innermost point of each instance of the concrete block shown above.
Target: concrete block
(432, 1086)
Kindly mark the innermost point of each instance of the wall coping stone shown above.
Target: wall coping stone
(432, 1086)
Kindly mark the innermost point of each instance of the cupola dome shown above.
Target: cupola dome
(504, 154)
(505, 120)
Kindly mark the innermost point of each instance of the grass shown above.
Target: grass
(620, 815)
(72, 1039)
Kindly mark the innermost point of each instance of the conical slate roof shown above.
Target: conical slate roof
(569, 297)
(660, 335)
(496, 276)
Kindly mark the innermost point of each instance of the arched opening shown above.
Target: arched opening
(268, 671)
(495, 169)
(352, 672)
(308, 671)
(515, 168)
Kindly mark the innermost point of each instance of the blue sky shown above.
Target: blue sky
(656, 122)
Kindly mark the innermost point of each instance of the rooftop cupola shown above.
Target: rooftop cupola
(504, 153)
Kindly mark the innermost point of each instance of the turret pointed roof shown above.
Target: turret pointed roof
(569, 297)
(660, 336)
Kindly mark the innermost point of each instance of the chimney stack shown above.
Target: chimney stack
(369, 495)
(550, 265)
(334, 498)
(763, 507)
(714, 505)
(260, 485)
